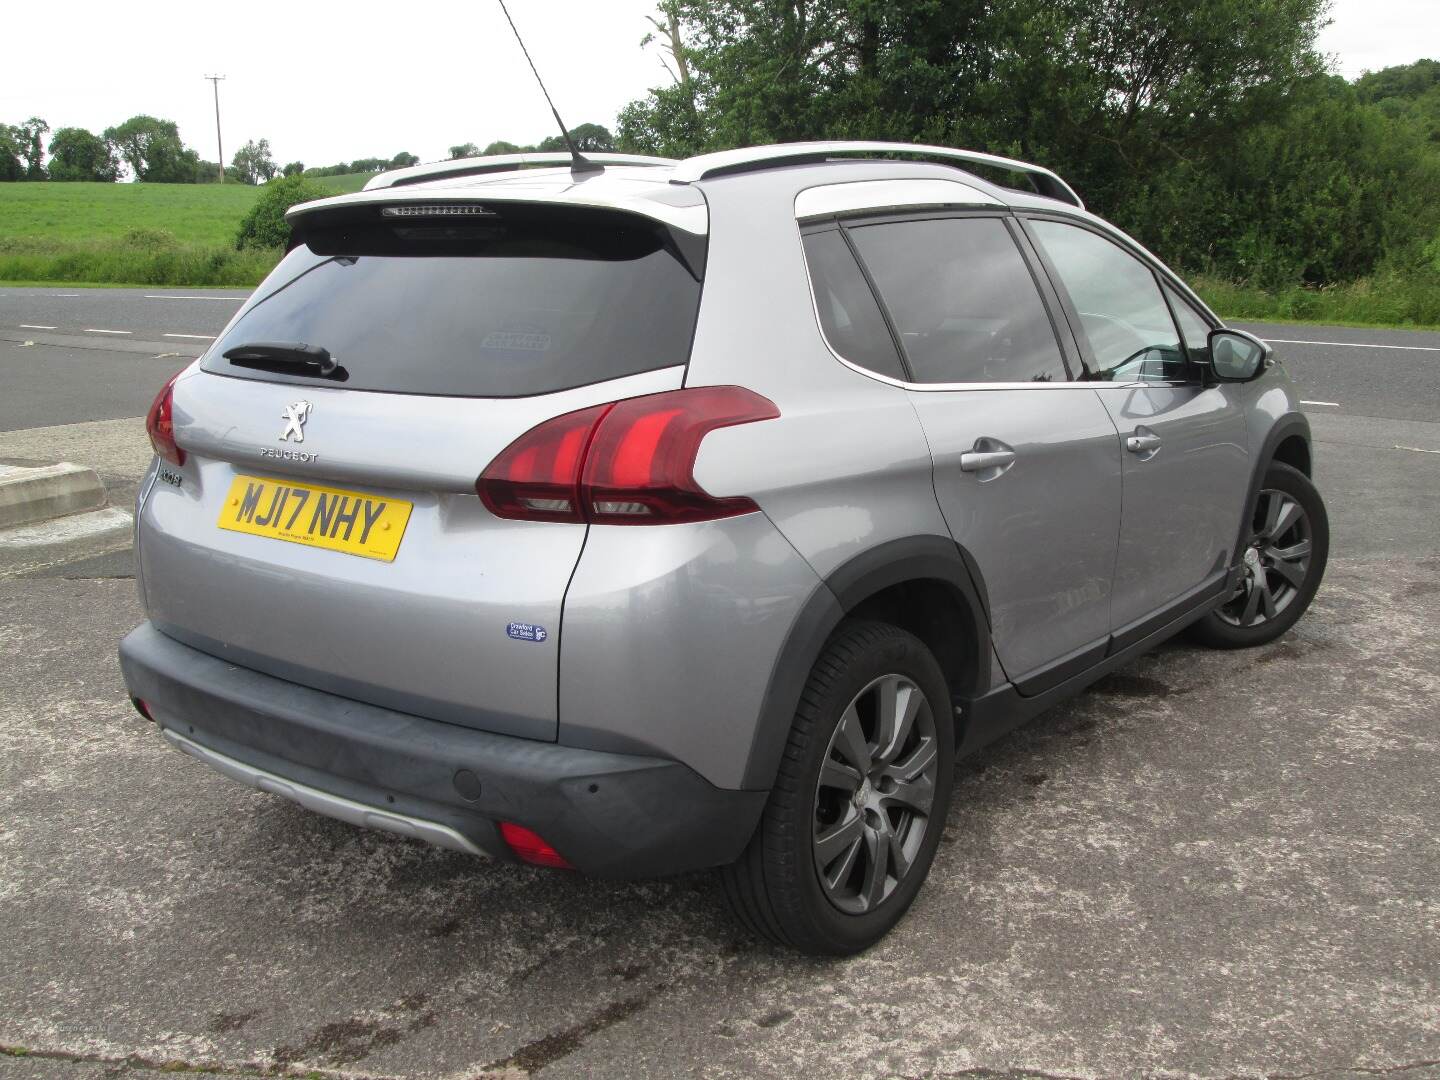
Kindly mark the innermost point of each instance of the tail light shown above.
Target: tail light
(160, 424)
(531, 846)
(631, 462)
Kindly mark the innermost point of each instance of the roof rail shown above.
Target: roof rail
(477, 166)
(753, 158)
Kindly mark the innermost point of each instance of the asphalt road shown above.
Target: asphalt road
(1211, 865)
(1380, 373)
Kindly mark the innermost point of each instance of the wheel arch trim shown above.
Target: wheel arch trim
(895, 562)
(1291, 425)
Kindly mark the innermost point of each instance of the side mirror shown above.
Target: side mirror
(1236, 356)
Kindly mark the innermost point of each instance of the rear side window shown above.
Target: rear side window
(962, 299)
(849, 314)
(504, 308)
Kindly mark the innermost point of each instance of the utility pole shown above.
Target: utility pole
(219, 149)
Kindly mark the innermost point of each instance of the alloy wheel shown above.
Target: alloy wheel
(1277, 561)
(873, 798)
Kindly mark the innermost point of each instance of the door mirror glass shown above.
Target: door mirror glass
(1237, 356)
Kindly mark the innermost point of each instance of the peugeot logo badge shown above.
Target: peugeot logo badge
(295, 416)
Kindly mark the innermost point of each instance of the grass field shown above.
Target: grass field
(133, 234)
(184, 234)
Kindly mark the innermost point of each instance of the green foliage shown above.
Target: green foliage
(153, 150)
(80, 155)
(11, 165)
(133, 263)
(1386, 299)
(293, 168)
(264, 226)
(31, 136)
(1205, 127)
(464, 150)
(254, 163)
(586, 137)
(500, 146)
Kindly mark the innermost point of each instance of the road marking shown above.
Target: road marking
(1416, 450)
(90, 330)
(1331, 404)
(197, 337)
(32, 326)
(71, 295)
(1355, 345)
(231, 299)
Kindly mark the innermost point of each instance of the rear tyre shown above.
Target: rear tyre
(857, 809)
(1284, 557)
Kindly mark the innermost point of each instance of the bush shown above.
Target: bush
(264, 226)
(149, 239)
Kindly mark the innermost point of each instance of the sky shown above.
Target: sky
(327, 83)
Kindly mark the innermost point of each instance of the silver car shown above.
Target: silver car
(686, 514)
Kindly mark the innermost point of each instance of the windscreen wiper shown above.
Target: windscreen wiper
(280, 355)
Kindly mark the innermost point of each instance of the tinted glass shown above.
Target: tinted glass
(962, 299)
(1124, 315)
(1194, 330)
(501, 309)
(849, 314)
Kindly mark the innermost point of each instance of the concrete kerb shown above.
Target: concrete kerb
(28, 495)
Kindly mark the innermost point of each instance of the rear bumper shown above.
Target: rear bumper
(611, 815)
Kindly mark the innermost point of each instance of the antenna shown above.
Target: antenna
(579, 163)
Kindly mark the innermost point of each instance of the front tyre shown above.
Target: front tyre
(857, 809)
(1285, 554)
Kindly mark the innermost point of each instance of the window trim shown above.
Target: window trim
(1158, 273)
(1050, 300)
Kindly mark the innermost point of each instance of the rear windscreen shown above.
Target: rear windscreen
(508, 307)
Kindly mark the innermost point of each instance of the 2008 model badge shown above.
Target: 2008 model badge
(295, 416)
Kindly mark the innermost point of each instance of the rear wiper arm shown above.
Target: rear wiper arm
(281, 354)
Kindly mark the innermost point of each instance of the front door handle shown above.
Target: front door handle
(980, 460)
(989, 458)
(1144, 441)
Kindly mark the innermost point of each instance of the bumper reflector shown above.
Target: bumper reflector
(530, 847)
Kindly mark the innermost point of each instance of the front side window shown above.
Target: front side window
(961, 297)
(1124, 316)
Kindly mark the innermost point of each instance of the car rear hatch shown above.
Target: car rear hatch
(324, 525)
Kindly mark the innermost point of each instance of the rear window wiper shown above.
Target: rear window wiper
(281, 356)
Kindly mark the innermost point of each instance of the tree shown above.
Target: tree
(500, 146)
(464, 150)
(265, 226)
(77, 154)
(153, 150)
(254, 163)
(1145, 106)
(403, 160)
(586, 137)
(11, 166)
(32, 147)
(293, 168)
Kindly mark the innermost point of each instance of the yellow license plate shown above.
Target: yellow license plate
(366, 525)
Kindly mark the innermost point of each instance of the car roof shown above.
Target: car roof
(667, 190)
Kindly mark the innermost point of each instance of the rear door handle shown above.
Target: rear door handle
(989, 458)
(1144, 441)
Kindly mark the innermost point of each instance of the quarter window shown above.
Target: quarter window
(849, 315)
(961, 297)
(1194, 330)
(1131, 333)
